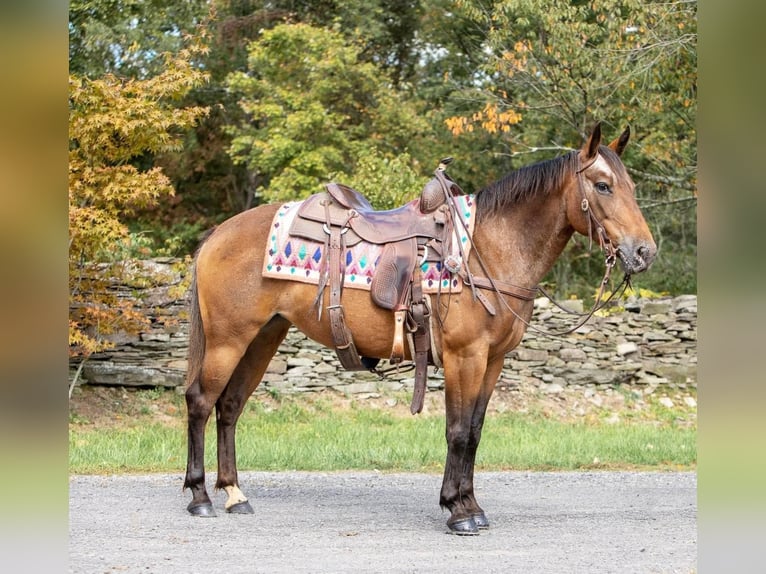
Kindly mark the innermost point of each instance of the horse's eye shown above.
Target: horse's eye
(603, 188)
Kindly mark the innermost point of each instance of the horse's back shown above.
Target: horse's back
(228, 271)
(241, 236)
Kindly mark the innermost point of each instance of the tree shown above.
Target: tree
(425, 50)
(210, 186)
(314, 109)
(558, 66)
(112, 124)
(517, 81)
(127, 38)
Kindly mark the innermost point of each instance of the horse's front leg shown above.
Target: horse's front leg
(468, 388)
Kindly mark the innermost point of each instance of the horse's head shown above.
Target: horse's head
(603, 196)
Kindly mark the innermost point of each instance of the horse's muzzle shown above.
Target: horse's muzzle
(636, 256)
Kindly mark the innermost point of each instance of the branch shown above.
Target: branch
(669, 202)
(76, 376)
(533, 149)
(677, 181)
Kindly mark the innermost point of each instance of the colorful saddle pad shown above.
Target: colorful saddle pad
(298, 259)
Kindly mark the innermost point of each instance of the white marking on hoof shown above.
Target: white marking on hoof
(235, 496)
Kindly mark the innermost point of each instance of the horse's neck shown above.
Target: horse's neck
(521, 245)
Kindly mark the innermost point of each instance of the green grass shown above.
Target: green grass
(293, 436)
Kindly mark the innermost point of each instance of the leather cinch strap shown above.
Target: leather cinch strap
(421, 341)
(341, 336)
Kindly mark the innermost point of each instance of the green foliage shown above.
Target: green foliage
(128, 37)
(172, 240)
(561, 65)
(209, 185)
(112, 123)
(314, 109)
(558, 66)
(304, 92)
(387, 183)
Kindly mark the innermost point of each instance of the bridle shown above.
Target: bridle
(610, 260)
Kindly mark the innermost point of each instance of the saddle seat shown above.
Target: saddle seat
(349, 197)
(346, 207)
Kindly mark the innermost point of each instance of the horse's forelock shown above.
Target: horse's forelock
(615, 163)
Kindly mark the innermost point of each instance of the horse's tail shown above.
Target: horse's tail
(196, 332)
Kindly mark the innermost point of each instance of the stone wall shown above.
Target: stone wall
(650, 342)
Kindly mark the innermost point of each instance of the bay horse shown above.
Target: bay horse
(238, 318)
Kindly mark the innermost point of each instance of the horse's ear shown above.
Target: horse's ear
(618, 145)
(590, 149)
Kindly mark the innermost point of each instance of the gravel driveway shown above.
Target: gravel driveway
(579, 522)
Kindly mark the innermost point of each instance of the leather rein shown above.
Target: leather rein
(527, 294)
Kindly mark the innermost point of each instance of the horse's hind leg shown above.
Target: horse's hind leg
(230, 404)
(217, 367)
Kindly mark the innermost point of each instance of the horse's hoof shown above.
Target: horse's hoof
(241, 508)
(204, 510)
(481, 520)
(463, 527)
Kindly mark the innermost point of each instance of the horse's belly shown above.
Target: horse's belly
(372, 328)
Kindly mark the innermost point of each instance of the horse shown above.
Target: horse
(238, 317)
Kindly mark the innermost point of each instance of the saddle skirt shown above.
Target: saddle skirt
(296, 258)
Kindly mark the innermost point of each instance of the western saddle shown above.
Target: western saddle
(418, 232)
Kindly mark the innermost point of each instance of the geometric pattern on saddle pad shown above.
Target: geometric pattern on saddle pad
(298, 259)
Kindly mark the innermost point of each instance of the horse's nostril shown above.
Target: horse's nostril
(645, 254)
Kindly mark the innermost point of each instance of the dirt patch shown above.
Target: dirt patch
(105, 406)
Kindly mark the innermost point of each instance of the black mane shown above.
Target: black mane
(525, 183)
(538, 179)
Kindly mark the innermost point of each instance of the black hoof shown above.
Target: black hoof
(203, 510)
(463, 527)
(241, 508)
(481, 520)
